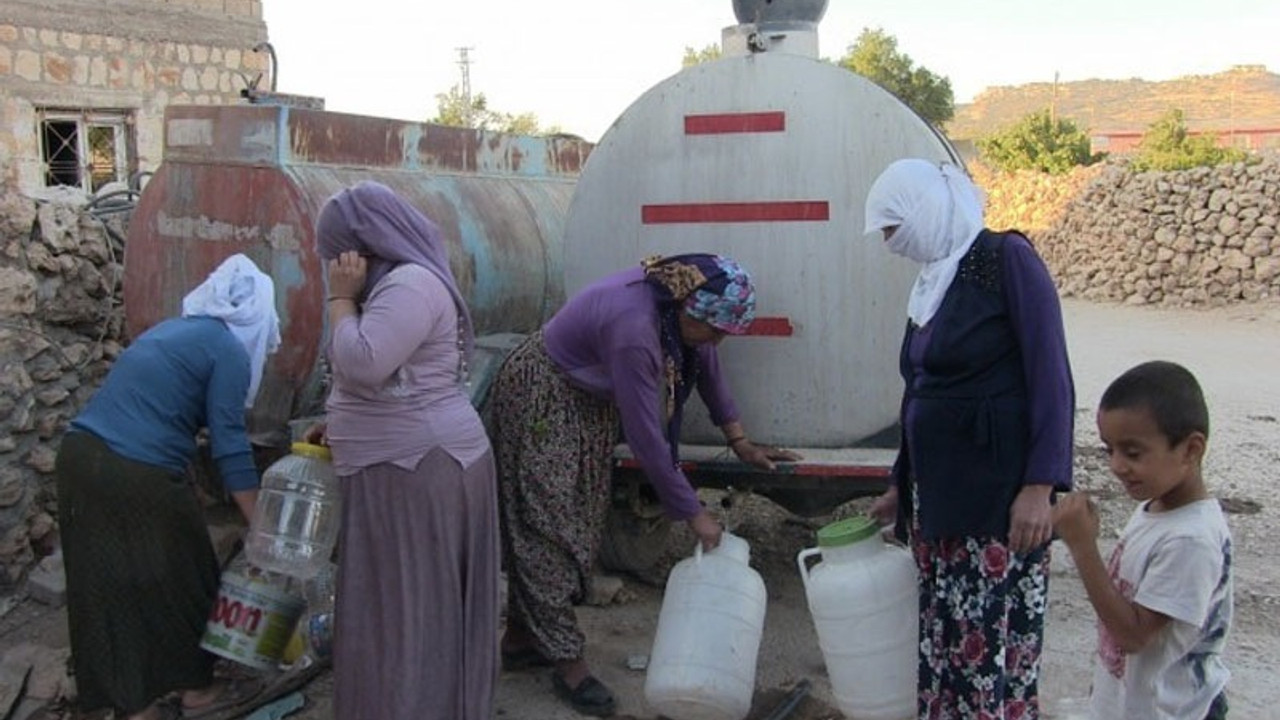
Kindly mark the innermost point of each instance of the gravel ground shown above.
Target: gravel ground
(1232, 350)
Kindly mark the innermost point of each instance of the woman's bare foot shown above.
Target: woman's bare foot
(573, 671)
(155, 711)
(198, 698)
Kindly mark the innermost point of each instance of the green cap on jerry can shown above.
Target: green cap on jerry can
(847, 531)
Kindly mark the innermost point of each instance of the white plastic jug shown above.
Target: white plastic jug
(863, 600)
(703, 663)
(295, 523)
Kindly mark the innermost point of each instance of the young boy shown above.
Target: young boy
(1164, 598)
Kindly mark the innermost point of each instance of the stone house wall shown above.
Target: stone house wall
(128, 57)
(60, 327)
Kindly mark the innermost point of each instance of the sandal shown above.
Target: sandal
(234, 692)
(168, 708)
(590, 697)
(524, 659)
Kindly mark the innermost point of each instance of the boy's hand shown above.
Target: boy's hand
(1075, 519)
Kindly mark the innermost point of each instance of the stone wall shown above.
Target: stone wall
(136, 56)
(1205, 236)
(60, 327)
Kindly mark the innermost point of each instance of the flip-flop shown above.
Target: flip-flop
(590, 697)
(524, 659)
(235, 692)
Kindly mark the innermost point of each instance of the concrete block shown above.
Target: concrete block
(603, 590)
(47, 583)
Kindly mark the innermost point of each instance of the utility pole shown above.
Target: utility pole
(1053, 101)
(464, 62)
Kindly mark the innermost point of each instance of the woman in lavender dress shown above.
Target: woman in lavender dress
(628, 349)
(416, 619)
(987, 437)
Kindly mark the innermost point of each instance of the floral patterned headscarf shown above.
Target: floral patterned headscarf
(711, 288)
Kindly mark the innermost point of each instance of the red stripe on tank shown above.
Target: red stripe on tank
(728, 123)
(781, 211)
(771, 327)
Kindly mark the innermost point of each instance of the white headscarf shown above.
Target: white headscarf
(243, 297)
(937, 211)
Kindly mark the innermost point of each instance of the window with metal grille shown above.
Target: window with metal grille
(85, 148)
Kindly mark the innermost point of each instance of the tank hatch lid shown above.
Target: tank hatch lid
(785, 13)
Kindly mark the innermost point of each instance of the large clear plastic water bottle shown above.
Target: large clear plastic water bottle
(295, 524)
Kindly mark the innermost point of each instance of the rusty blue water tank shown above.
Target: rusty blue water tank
(251, 179)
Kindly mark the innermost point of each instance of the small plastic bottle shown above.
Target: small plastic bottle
(319, 592)
(295, 523)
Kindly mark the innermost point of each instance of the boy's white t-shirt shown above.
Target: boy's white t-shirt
(1177, 563)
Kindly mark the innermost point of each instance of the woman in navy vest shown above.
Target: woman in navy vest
(987, 421)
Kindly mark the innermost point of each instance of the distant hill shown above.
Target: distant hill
(1246, 96)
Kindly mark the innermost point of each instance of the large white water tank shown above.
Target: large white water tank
(767, 158)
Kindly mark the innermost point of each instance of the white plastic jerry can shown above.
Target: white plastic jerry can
(703, 663)
(863, 599)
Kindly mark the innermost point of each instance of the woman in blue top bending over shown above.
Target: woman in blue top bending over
(142, 575)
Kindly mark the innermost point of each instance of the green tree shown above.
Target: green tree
(1038, 142)
(695, 57)
(875, 56)
(1168, 146)
(452, 109)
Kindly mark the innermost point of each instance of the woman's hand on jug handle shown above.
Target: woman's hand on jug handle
(707, 528)
(317, 434)
(885, 507)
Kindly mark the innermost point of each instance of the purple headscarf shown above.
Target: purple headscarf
(371, 219)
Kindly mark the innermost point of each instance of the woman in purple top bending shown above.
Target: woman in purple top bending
(631, 347)
(987, 417)
(417, 589)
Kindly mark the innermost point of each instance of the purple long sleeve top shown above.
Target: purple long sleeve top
(605, 341)
(990, 401)
(395, 393)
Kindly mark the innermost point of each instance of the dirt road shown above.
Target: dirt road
(1234, 352)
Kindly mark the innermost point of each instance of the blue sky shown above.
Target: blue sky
(578, 64)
